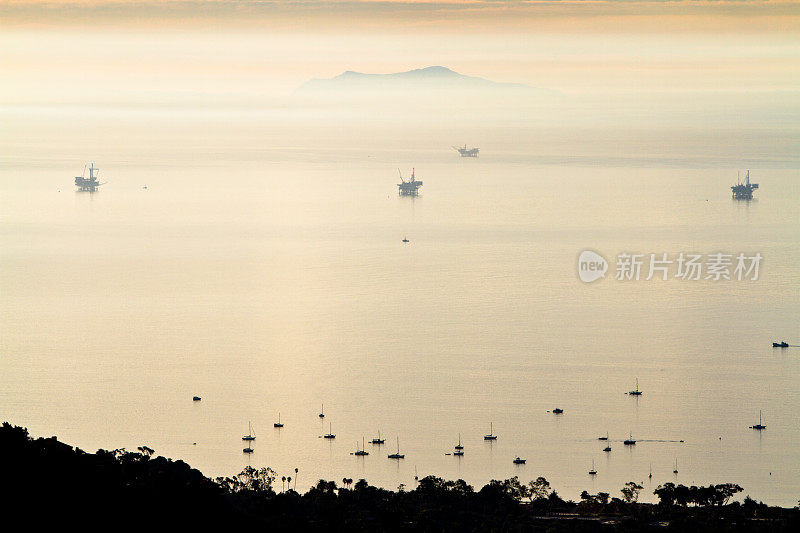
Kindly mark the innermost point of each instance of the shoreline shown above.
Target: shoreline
(120, 482)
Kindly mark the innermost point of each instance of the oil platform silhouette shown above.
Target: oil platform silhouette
(90, 183)
(467, 152)
(408, 188)
(744, 191)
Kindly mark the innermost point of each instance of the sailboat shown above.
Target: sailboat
(676, 467)
(607, 449)
(278, 423)
(249, 449)
(459, 450)
(759, 426)
(397, 455)
(651, 471)
(636, 391)
(603, 438)
(519, 461)
(322, 412)
(329, 434)
(592, 472)
(362, 451)
(379, 440)
(250, 435)
(629, 441)
(491, 435)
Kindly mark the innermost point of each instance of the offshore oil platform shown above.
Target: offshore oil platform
(90, 183)
(408, 188)
(744, 191)
(467, 152)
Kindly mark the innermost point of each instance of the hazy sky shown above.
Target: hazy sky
(172, 49)
(398, 16)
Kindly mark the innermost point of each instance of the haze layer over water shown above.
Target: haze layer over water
(262, 268)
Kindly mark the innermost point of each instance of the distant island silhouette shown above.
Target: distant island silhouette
(422, 78)
(53, 485)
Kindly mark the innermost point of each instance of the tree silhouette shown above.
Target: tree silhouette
(631, 492)
(666, 494)
(144, 450)
(539, 489)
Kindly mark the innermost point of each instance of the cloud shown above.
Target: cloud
(413, 15)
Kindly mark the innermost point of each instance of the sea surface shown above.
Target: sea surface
(262, 269)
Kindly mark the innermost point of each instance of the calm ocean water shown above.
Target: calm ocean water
(267, 275)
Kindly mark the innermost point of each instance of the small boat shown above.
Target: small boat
(519, 461)
(247, 450)
(558, 411)
(397, 455)
(629, 441)
(607, 449)
(379, 440)
(603, 438)
(782, 344)
(459, 446)
(676, 467)
(405, 239)
(592, 472)
(759, 426)
(329, 434)
(491, 435)
(250, 435)
(458, 452)
(278, 424)
(362, 451)
(636, 391)
(322, 412)
(196, 398)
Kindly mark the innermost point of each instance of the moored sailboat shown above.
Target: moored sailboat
(397, 454)
(250, 435)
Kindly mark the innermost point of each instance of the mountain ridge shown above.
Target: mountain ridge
(426, 77)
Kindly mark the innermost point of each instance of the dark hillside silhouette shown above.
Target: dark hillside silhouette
(53, 485)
